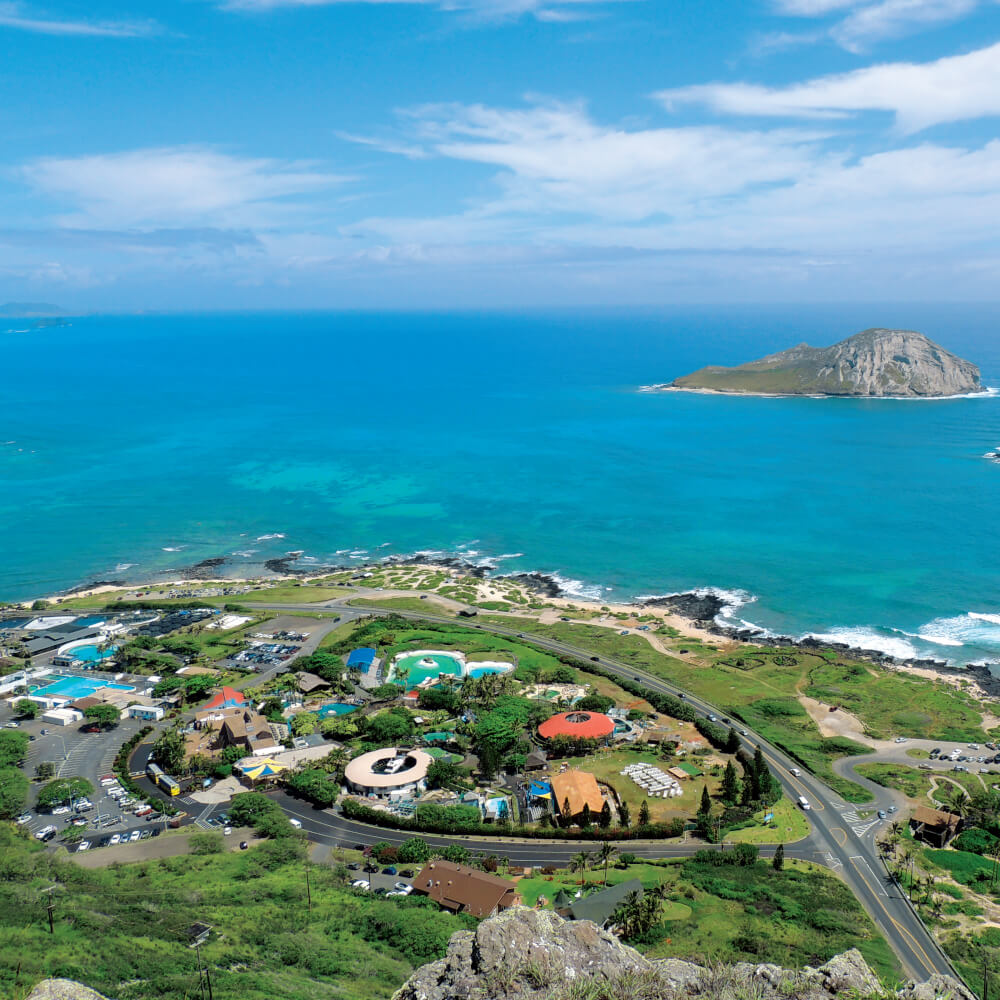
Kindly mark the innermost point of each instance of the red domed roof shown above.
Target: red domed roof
(580, 725)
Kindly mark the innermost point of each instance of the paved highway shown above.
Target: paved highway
(841, 839)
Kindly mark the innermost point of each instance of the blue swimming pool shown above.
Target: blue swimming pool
(483, 671)
(335, 708)
(75, 687)
(90, 653)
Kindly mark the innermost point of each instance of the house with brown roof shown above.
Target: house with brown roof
(573, 790)
(465, 890)
(246, 728)
(934, 826)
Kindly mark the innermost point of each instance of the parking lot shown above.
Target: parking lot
(74, 753)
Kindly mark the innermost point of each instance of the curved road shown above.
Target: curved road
(841, 839)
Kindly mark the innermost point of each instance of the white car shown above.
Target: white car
(108, 782)
(23, 818)
(403, 888)
(296, 823)
(136, 834)
(116, 838)
(60, 810)
(900, 739)
(359, 883)
(12, 725)
(396, 892)
(227, 831)
(83, 846)
(45, 833)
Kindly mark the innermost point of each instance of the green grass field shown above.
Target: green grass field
(799, 916)
(123, 930)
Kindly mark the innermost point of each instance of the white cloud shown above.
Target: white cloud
(543, 10)
(868, 21)
(920, 95)
(175, 187)
(13, 15)
(564, 180)
(893, 18)
(558, 160)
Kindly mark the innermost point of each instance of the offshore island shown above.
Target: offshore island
(875, 362)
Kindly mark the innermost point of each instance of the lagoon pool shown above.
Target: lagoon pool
(419, 670)
(90, 653)
(335, 708)
(75, 687)
(482, 671)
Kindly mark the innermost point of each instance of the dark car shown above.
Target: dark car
(681, 694)
(596, 659)
(371, 869)
(104, 842)
(390, 870)
(243, 845)
(406, 873)
(936, 752)
(92, 728)
(354, 866)
(381, 890)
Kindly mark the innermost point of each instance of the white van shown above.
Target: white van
(804, 802)
(296, 823)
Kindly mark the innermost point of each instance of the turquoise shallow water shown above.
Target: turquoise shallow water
(131, 445)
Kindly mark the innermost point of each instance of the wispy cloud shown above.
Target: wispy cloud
(920, 95)
(493, 10)
(14, 15)
(176, 187)
(867, 22)
(894, 18)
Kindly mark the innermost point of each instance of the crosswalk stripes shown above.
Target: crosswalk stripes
(857, 824)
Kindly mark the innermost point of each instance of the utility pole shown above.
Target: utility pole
(50, 907)
(986, 976)
(308, 891)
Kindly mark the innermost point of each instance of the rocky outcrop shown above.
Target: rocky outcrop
(62, 989)
(875, 362)
(536, 955)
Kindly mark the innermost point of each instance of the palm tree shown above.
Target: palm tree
(580, 863)
(908, 858)
(604, 856)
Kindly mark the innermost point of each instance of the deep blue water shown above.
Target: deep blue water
(130, 436)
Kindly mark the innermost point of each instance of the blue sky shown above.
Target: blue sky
(483, 153)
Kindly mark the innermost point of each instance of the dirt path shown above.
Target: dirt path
(840, 723)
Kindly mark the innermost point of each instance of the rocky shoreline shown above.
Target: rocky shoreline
(700, 608)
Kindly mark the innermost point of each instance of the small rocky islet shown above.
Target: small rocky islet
(876, 362)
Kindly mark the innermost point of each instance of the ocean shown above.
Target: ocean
(131, 445)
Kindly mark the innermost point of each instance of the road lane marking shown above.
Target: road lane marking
(928, 965)
(879, 882)
(833, 863)
(842, 833)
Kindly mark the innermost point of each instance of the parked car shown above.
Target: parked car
(359, 883)
(402, 886)
(145, 834)
(881, 814)
(84, 845)
(406, 873)
(354, 866)
(381, 891)
(60, 810)
(115, 839)
(226, 831)
(936, 752)
(244, 845)
(46, 833)
(136, 834)
(23, 818)
(900, 739)
(389, 870)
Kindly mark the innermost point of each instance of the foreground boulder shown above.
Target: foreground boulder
(62, 989)
(536, 955)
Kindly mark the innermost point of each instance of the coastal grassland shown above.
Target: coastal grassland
(428, 606)
(799, 916)
(123, 930)
(916, 784)
(892, 703)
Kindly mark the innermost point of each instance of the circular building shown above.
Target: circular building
(578, 726)
(389, 773)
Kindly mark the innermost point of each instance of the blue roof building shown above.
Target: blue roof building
(361, 658)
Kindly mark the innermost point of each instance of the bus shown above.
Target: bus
(154, 771)
(168, 785)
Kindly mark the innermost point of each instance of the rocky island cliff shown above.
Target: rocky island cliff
(875, 362)
(536, 955)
